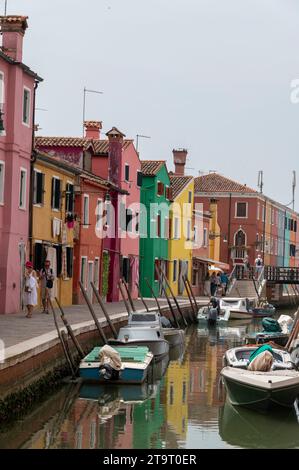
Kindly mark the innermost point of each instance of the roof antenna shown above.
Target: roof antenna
(294, 183)
(5, 8)
(260, 182)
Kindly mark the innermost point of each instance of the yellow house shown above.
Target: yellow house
(53, 184)
(214, 246)
(181, 232)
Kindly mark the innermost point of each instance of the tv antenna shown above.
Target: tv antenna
(138, 136)
(260, 181)
(85, 90)
(5, 7)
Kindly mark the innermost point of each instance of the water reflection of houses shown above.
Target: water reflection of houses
(205, 368)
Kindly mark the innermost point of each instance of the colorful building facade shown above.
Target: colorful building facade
(154, 224)
(17, 96)
(249, 223)
(53, 233)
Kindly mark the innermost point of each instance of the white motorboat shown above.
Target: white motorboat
(261, 390)
(174, 336)
(207, 315)
(152, 337)
(239, 357)
(238, 308)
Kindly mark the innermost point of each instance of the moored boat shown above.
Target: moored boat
(174, 336)
(239, 358)
(261, 390)
(135, 362)
(208, 315)
(151, 337)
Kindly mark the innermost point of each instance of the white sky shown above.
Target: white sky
(210, 75)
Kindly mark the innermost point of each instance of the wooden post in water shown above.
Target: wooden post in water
(174, 298)
(68, 360)
(154, 295)
(70, 331)
(124, 298)
(90, 307)
(167, 298)
(113, 330)
(141, 297)
(192, 293)
(129, 294)
(194, 313)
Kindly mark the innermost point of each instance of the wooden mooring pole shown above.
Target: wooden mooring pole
(173, 296)
(70, 331)
(141, 297)
(90, 307)
(104, 310)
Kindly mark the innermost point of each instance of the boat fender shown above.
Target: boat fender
(108, 373)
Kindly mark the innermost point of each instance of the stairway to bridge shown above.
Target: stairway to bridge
(242, 288)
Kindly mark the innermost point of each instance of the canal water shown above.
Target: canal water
(181, 406)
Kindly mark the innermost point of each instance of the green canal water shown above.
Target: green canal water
(182, 406)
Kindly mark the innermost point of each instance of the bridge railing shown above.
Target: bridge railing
(281, 274)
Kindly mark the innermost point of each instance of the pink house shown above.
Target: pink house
(17, 96)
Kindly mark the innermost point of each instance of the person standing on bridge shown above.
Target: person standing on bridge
(258, 266)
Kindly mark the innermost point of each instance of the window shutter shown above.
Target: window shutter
(52, 193)
(160, 189)
(139, 178)
(159, 225)
(69, 261)
(127, 172)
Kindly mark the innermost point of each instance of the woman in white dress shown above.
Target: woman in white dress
(30, 289)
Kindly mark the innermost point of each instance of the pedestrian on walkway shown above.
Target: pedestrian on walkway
(47, 278)
(224, 282)
(247, 266)
(213, 284)
(30, 289)
(258, 265)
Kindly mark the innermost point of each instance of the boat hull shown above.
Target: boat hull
(261, 338)
(90, 373)
(260, 399)
(239, 314)
(173, 336)
(158, 348)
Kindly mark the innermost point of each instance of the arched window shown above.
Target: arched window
(240, 238)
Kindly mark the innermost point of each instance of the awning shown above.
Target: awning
(213, 262)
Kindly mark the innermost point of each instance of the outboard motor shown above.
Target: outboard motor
(165, 322)
(212, 315)
(110, 363)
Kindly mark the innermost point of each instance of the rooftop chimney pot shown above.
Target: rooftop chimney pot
(179, 159)
(13, 28)
(93, 129)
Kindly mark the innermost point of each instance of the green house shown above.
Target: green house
(154, 224)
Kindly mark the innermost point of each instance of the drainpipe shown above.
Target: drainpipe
(32, 161)
(229, 227)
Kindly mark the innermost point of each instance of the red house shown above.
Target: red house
(17, 97)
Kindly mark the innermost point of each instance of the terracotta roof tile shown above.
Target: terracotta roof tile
(151, 167)
(215, 183)
(100, 146)
(178, 183)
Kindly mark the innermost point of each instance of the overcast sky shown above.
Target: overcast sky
(213, 76)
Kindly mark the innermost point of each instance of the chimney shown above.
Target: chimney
(13, 28)
(179, 159)
(93, 129)
(116, 139)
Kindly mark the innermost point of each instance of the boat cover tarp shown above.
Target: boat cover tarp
(110, 356)
(271, 325)
(261, 359)
(126, 353)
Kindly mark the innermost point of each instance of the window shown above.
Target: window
(190, 197)
(168, 193)
(39, 256)
(38, 187)
(258, 211)
(188, 230)
(56, 193)
(139, 179)
(83, 270)
(176, 228)
(175, 271)
(69, 198)
(69, 261)
(108, 209)
(166, 228)
(263, 213)
(22, 194)
(126, 269)
(137, 222)
(96, 273)
(2, 173)
(159, 225)
(129, 218)
(160, 189)
(99, 214)
(205, 237)
(2, 97)
(241, 209)
(292, 250)
(85, 210)
(127, 172)
(295, 226)
(26, 106)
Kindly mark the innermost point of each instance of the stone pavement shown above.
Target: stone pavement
(17, 328)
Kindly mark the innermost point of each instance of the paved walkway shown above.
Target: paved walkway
(17, 328)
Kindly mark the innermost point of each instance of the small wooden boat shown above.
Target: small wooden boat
(261, 390)
(238, 308)
(239, 357)
(151, 337)
(264, 337)
(135, 363)
(267, 310)
(174, 336)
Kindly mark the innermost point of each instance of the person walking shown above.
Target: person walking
(247, 266)
(30, 289)
(47, 278)
(213, 284)
(258, 265)
(224, 282)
